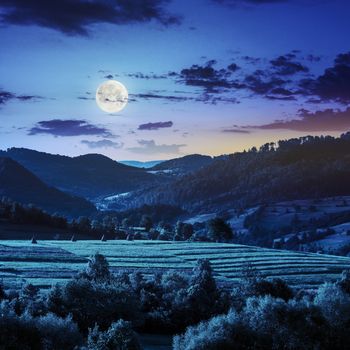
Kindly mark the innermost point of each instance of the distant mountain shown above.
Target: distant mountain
(183, 165)
(308, 167)
(137, 164)
(90, 176)
(19, 184)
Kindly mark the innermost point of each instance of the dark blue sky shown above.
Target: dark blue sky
(204, 76)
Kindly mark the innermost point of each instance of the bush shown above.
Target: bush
(92, 302)
(27, 332)
(334, 304)
(17, 332)
(58, 333)
(284, 325)
(223, 332)
(265, 323)
(119, 336)
(251, 284)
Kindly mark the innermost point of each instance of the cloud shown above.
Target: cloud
(325, 120)
(206, 77)
(333, 84)
(270, 82)
(286, 65)
(204, 97)
(147, 76)
(85, 98)
(75, 17)
(282, 78)
(6, 96)
(313, 58)
(155, 126)
(70, 127)
(102, 144)
(150, 147)
(236, 131)
(251, 60)
(151, 96)
(261, 82)
(233, 67)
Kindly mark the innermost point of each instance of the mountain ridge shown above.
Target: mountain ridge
(19, 184)
(89, 176)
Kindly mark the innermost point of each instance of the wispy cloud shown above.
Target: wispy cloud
(283, 78)
(323, 120)
(102, 144)
(69, 127)
(75, 17)
(150, 147)
(236, 131)
(7, 96)
(155, 126)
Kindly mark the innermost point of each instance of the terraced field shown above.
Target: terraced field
(50, 262)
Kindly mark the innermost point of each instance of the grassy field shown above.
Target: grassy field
(49, 262)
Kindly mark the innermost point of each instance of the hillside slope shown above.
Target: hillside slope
(19, 184)
(89, 176)
(183, 165)
(308, 167)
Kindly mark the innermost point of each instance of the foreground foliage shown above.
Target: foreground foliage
(99, 310)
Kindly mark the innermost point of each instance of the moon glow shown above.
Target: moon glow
(111, 96)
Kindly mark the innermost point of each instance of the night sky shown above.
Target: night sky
(204, 76)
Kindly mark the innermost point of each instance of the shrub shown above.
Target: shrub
(58, 333)
(334, 304)
(119, 336)
(16, 332)
(251, 284)
(223, 332)
(27, 332)
(284, 325)
(91, 302)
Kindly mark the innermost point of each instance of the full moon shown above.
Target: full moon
(111, 96)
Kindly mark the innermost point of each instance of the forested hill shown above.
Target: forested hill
(290, 169)
(184, 165)
(88, 176)
(20, 185)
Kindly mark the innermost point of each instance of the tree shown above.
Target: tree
(219, 230)
(98, 268)
(119, 336)
(84, 224)
(146, 222)
(183, 230)
(91, 302)
(203, 293)
(334, 303)
(2, 292)
(126, 223)
(344, 282)
(58, 333)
